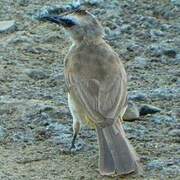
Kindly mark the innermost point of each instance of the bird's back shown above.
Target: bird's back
(97, 79)
(95, 61)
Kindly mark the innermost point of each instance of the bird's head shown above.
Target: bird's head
(79, 24)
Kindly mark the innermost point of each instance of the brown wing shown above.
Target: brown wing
(101, 100)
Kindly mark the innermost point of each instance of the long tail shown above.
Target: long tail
(117, 156)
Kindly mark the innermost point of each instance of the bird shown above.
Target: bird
(97, 90)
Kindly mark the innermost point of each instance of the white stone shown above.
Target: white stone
(7, 26)
(132, 112)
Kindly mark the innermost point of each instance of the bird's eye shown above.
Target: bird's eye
(69, 23)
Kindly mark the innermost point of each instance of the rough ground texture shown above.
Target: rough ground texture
(35, 123)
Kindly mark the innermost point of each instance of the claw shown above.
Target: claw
(73, 147)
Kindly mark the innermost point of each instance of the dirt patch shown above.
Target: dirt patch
(35, 123)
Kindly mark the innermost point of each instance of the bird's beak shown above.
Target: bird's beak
(60, 20)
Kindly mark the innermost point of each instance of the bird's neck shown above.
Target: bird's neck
(88, 41)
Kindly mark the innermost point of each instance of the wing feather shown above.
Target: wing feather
(101, 100)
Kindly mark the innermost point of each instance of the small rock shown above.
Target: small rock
(155, 50)
(137, 96)
(169, 52)
(37, 74)
(41, 134)
(37, 50)
(19, 39)
(20, 137)
(82, 2)
(165, 27)
(76, 3)
(58, 129)
(175, 133)
(177, 60)
(163, 120)
(94, 2)
(176, 112)
(55, 9)
(138, 133)
(148, 21)
(140, 62)
(175, 2)
(7, 26)
(132, 112)
(2, 134)
(164, 94)
(51, 38)
(155, 94)
(148, 109)
(23, 2)
(156, 33)
(107, 31)
(155, 165)
(133, 47)
(37, 118)
(61, 134)
(165, 12)
(125, 28)
(168, 171)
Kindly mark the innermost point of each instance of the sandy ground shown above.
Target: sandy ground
(35, 123)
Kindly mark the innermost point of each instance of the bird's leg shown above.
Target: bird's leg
(73, 141)
(76, 121)
(76, 128)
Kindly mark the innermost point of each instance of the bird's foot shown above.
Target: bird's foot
(68, 150)
(73, 148)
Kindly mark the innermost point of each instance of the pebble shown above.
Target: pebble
(107, 31)
(132, 112)
(148, 109)
(19, 39)
(165, 94)
(138, 133)
(177, 60)
(36, 118)
(176, 112)
(155, 94)
(165, 27)
(94, 2)
(170, 53)
(41, 134)
(3, 133)
(132, 47)
(20, 137)
(7, 26)
(58, 129)
(155, 50)
(175, 2)
(55, 9)
(175, 133)
(23, 2)
(137, 96)
(125, 28)
(157, 33)
(155, 165)
(163, 120)
(37, 74)
(140, 62)
(82, 2)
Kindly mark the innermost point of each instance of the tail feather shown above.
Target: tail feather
(116, 153)
(106, 163)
